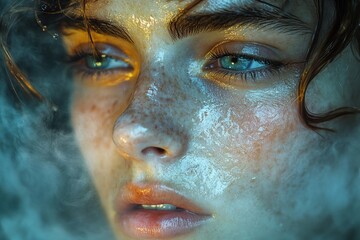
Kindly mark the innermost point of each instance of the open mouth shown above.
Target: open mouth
(157, 212)
(160, 207)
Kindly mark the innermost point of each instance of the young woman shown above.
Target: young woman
(212, 119)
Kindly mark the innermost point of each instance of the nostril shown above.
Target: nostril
(154, 151)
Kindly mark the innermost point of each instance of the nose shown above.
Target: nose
(141, 133)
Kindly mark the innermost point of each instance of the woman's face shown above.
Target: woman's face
(191, 129)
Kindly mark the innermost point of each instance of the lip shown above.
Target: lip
(138, 222)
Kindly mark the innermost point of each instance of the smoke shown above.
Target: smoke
(45, 190)
(323, 202)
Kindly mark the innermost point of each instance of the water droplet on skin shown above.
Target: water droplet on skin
(44, 7)
(55, 36)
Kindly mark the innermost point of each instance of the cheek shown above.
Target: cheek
(258, 150)
(243, 136)
(93, 118)
(268, 126)
(269, 152)
(94, 112)
(93, 121)
(261, 133)
(249, 129)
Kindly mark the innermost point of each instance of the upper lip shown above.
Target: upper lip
(152, 194)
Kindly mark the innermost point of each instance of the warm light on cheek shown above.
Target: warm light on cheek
(102, 104)
(94, 139)
(93, 118)
(94, 112)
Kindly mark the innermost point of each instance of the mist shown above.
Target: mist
(326, 199)
(45, 189)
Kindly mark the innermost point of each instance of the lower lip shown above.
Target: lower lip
(155, 224)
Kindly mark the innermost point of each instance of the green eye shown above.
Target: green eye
(105, 62)
(236, 63)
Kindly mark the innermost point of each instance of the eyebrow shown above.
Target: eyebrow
(182, 26)
(96, 25)
(237, 15)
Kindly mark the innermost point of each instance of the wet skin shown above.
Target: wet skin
(211, 115)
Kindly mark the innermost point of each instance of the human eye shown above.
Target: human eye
(243, 65)
(102, 64)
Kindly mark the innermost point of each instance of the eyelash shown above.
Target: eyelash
(273, 67)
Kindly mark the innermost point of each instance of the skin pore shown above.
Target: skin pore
(208, 112)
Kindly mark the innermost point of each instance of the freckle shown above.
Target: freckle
(114, 103)
(93, 108)
(97, 142)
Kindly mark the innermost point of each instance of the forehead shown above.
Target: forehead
(175, 6)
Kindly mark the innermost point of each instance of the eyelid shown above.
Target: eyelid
(255, 50)
(103, 48)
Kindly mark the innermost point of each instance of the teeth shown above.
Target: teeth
(159, 207)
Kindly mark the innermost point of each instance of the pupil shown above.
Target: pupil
(97, 62)
(234, 60)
